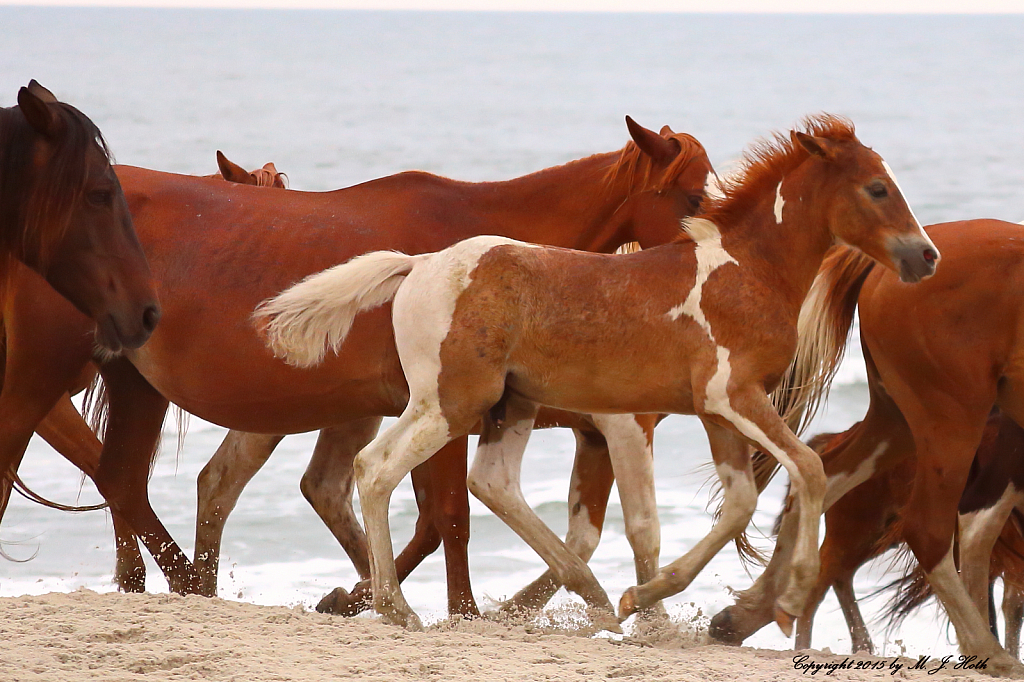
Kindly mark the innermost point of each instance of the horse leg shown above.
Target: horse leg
(67, 432)
(1013, 614)
(420, 431)
(732, 461)
(589, 486)
(218, 488)
(425, 540)
(860, 638)
(450, 509)
(136, 413)
(979, 531)
(854, 528)
(877, 443)
(494, 479)
(631, 447)
(946, 442)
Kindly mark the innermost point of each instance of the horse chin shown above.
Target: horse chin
(108, 340)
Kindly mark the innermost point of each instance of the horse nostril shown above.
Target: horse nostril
(150, 316)
(930, 256)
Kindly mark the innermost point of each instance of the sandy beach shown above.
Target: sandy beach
(86, 635)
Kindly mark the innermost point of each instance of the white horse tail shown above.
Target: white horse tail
(300, 323)
(822, 329)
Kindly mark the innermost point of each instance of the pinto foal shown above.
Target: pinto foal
(705, 325)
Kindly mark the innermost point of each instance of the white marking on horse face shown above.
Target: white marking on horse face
(842, 483)
(779, 203)
(892, 176)
(710, 256)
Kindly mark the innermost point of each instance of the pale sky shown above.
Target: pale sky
(854, 6)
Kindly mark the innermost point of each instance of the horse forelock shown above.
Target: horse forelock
(766, 162)
(639, 173)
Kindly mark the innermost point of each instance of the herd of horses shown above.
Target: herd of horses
(496, 308)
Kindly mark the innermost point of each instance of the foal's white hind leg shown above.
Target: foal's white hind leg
(732, 461)
(631, 448)
(494, 480)
(380, 466)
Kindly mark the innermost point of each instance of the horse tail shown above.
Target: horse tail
(908, 593)
(822, 332)
(303, 321)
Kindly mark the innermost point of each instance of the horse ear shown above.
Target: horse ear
(233, 172)
(666, 131)
(817, 146)
(36, 111)
(42, 93)
(661, 150)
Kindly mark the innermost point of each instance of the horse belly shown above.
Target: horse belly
(227, 376)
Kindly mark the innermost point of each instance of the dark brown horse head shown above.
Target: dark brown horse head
(62, 213)
(867, 208)
(668, 172)
(268, 176)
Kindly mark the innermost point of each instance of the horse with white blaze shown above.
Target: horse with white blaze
(491, 328)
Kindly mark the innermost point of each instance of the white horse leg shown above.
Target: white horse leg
(494, 480)
(380, 466)
(1013, 614)
(591, 463)
(979, 531)
(972, 628)
(631, 447)
(732, 461)
(220, 484)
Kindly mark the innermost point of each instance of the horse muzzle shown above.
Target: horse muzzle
(915, 259)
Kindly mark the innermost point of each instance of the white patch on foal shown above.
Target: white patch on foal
(779, 203)
(710, 256)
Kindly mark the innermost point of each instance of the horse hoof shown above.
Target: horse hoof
(606, 620)
(412, 623)
(722, 629)
(341, 603)
(627, 604)
(785, 620)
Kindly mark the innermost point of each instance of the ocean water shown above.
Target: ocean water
(335, 98)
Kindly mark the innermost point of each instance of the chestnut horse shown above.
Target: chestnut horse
(217, 250)
(63, 214)
(704, 325)
(67, 432)
(939, 356)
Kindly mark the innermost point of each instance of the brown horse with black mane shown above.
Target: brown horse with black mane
(218, 249)
(63, 214)
(704, 325)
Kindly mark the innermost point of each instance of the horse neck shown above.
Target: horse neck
(790, 251)
(571, 206)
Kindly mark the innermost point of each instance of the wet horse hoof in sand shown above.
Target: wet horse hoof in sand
(341, 602)
(722, 629)
(604, 620)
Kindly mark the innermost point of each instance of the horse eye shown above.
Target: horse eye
(877, 190)
(696, 200)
